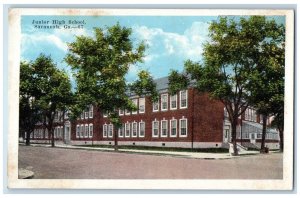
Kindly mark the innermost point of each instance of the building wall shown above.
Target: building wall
(204, 121)
(208, 118)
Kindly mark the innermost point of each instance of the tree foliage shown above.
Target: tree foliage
(28, 107)
(101, 64)
(48, 87)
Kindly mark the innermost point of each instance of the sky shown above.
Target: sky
(171, 40)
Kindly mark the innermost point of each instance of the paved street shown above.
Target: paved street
(60, 163)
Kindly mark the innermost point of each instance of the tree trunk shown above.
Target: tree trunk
(52, 133)
(116, 138)
(281, 139)
(28, 138)
(233, 137)
(263, 138)
(52, 138)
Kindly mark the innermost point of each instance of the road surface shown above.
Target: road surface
(61, 163)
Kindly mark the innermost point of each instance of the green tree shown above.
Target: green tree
(267, 79)
(54, 89)
(229, 59)
(28, 107)
(101, 64)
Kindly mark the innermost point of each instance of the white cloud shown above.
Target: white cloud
(188, 45)
(41, 39)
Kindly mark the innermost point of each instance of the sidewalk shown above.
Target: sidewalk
(193, 155)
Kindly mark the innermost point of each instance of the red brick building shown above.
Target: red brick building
(188, 119)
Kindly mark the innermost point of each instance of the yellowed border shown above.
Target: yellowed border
(14, 60)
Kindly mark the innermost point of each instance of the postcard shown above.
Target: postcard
(151, 99)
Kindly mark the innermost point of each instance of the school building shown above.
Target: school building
(187, 119)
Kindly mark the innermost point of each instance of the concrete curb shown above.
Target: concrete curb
(190, 155)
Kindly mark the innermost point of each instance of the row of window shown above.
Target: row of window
(134, 129)
(58, 132)
(164, 99)
(163, 104)
(88, 113)
(84, 131)
(39, 134)
(269, 136)
(169, 126)
(250, 114)
(43, 133)
(140, 103)
(163, 128)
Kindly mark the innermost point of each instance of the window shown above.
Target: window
(247, 114)
(156, 106)
(135, 102)
(121, 112)
(164, 128)
(183, 127)
(127, 112)
(61, 132)
(142, 129)
(60, 118)
(86, 134)
(110, 130)
(82, 115)
(183, 99)
(56, 116)
(46, 133)
(164, 102)
(247, 135)
(226, 133)
(104, 130)
(90, 130)
(77, 131)
(82, 131)
(173, 128)
(173, 101)
(121, 131)
(254, 116)
(105, 114)
(127, 129)
(259, 136)
(225, 113)
(66, 114)
(55, 132)
(134, 129)
(155, 128)
(250, 114)
(142, 105)
(91, 111)
(86, 114)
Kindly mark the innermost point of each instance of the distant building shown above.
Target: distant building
(187, 119)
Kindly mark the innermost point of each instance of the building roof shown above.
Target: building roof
(258, 127)
(162, 83)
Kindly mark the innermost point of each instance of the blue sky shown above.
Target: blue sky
(170, 39)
